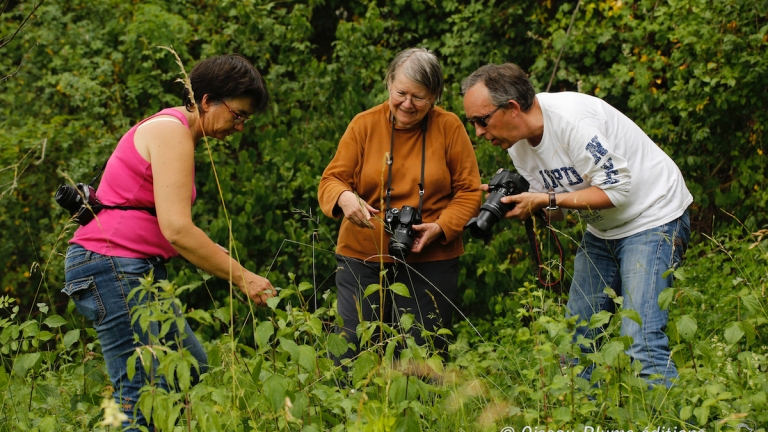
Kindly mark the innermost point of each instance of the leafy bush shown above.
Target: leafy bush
(79, 74)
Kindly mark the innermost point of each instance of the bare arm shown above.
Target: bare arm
(591, 198)
(171, 153)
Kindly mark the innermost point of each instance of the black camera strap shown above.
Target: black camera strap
(390, 161)
(535, 248)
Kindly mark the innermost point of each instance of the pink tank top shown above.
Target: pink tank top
(127, 180)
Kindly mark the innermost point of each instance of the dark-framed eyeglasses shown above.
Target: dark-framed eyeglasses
(483, 121)
(238, 118)
(415, 100)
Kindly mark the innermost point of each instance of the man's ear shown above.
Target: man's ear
(514, 107)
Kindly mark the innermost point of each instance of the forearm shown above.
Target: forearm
(197, 248)
(591, 198)
(528, 203)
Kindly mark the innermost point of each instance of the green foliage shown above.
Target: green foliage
(79, 74)
(277, 372)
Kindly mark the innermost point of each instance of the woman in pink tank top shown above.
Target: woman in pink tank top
(152, 167)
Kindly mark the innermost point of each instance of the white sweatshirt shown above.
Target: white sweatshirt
(586, 143)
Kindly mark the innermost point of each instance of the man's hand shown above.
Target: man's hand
(525, 204)
(356, 210)
(425, 234)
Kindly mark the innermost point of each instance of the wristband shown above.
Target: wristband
(552, 201)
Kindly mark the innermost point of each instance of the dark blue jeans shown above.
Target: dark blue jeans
(99, 286)
(634, 268)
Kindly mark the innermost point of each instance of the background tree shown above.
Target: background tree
(691, 73)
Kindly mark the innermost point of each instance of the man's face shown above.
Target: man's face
(496, 124)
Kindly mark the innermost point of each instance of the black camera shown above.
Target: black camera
(401, 222)
(77, 200)
(503, 183)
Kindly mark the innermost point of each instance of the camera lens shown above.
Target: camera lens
(69, 198)
(490, 212)
(401, 242)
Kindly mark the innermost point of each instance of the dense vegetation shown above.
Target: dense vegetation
(78, 74)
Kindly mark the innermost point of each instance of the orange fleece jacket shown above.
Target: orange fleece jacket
(452, 181)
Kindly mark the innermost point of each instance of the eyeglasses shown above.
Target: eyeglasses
(483, 121)
(415, 100)
(238, 118)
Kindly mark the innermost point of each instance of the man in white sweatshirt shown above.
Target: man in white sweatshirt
(579, 153)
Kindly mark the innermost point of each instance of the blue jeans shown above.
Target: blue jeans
(99, 286)
(633, 267)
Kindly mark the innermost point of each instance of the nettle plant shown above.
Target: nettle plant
(284, 378)
(272, 369)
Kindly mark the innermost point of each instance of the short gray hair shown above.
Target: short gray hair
(504, 82)
(421, 66)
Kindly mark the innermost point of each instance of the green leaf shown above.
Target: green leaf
(702, 414)
(372, 288)
(686, 412)
(24, 362)
(264, 332)
(274, 388)
(751, 303)
(406, 321)
(307, 356)
(631, 314)
(291, 348)
(272, 302)
(733, 332)
(305, 286)
(686, 327)
(400, 289)
(131, 365)
(337, 344)
(364, 363)
(599, 319)
(562, 415)
(666, 297)
(45, 335)
(54, 321)
(48, 424)
(612, 351)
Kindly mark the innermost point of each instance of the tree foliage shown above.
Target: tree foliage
(79, 74)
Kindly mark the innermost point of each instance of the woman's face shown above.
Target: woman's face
(227, 117)
(409, 102)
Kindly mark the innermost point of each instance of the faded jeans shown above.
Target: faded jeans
(99, 286)
(633, 267)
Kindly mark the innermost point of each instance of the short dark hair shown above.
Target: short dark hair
(505, 82)
(225, 77)
(421, 66)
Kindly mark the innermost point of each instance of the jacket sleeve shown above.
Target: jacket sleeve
(465, 181)
(340, 175)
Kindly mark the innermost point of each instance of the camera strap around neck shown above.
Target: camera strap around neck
(391, 158)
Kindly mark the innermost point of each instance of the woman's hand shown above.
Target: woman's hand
(257, 288)
(425, 234)
(356, 210)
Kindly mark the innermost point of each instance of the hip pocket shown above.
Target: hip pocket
(85, 295)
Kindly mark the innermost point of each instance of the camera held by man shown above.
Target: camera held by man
(504, 183)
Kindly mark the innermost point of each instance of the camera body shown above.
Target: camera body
(77, 200)
(504, 183)
(400, 222)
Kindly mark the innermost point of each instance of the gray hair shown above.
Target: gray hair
(421, 66)
(504, 82)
